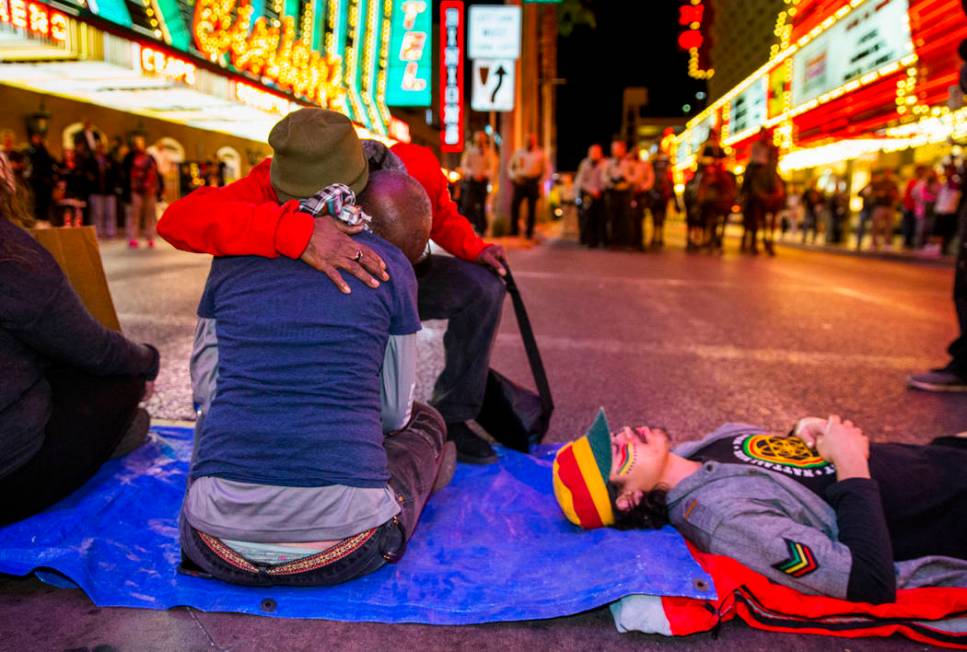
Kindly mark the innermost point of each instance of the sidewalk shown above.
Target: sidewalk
(894, 254)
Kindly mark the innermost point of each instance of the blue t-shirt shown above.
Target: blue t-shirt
(298, 371)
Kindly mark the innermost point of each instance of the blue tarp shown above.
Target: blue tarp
(491, 546)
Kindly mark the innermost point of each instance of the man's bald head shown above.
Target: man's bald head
(400, 209)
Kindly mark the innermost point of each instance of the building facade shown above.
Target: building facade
(851, 85)
(742, 33)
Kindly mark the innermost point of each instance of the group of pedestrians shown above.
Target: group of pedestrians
(616, 195)
(927, 207)
(107, 185)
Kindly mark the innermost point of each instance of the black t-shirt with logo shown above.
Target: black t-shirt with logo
(787, 455)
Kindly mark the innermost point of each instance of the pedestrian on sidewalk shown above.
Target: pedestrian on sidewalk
(945, 209)
(618, 175)
(479, 168)
(662, 192)
(885, 194)
(102, 199)
(589, 183)
(528, 169)
(642, 181)
(924, 197)
(71, 388)
(909, 220)
(41, 176)
(143, 184)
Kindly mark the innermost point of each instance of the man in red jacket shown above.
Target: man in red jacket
(248, 218)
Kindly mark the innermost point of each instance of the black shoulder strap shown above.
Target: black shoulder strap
(530, 343)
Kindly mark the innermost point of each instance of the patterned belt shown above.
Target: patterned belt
(339, 551)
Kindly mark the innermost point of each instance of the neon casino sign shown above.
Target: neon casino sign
(224, 32)
(34, 18)
(408, 82)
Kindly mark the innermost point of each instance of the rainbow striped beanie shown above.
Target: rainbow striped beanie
(581, 470)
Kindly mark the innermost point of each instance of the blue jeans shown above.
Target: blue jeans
(413, 456)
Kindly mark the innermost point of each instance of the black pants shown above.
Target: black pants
(596, 221)
(525, 190)
(89, 417)
(413, 456)
(924, 494)
(958, 348)
(639, 202)
(471, 297)
(618, 204)
(473, 204)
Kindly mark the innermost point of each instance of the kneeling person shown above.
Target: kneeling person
(293, 480)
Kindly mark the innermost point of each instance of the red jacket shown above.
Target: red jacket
(245, 217)
(931, 615)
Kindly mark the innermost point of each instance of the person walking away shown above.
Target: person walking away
(866, 195)
(41, 176)
(945, 210)
(479, 168)
(662, 191)
(143, 183)
(103, 201)
(642, 180)
(617, 174)
(885, 196)
(908, 225)
(813, 204)
(924, 197)
(70, 390)
(590, 188)
(528, 169)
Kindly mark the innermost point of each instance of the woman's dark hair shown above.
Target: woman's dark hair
(650, 513)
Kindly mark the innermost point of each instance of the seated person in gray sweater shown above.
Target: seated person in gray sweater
(821, 510)
(69, 388)
(302, 474)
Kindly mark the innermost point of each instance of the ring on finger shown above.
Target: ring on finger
(359, 255)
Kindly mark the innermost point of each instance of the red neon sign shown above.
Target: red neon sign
(35, 18)
(451, 75)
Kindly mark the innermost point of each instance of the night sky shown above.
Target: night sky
(634, 44)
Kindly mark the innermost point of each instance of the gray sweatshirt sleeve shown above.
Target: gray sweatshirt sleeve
(767, 540)
(398, 381)
(203, 366)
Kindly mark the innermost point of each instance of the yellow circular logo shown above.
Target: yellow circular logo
(787, 451)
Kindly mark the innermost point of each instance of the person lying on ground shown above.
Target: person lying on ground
(293, 480)
(70, 388)
(823, 511)
(257, 216)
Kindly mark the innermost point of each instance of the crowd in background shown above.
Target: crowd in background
(923, 209)
(617, 195)
(108, 184)
(616, 192)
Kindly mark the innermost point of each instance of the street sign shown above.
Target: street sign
(493, 85)
(494, 32)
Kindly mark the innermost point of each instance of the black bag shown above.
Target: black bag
(515, 416)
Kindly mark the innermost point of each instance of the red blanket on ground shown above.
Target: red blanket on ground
(936, 615)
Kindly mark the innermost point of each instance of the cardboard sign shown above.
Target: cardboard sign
(77, 253)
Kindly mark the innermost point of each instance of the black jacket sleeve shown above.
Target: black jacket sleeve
(862, 529)
(40, 308)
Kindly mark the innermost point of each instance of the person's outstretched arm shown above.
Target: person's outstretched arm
(244, 218)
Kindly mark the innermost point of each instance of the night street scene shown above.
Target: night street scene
(483, 325)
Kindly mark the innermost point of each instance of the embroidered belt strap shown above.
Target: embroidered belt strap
(339, 551)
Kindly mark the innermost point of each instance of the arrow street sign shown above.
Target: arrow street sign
(493, 85)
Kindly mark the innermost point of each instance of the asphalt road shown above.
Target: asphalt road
(687, 342)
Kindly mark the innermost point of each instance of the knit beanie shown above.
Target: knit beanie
(581, 470)
(315, 148)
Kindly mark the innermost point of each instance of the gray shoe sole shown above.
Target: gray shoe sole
(447, 466)
(934, 387)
